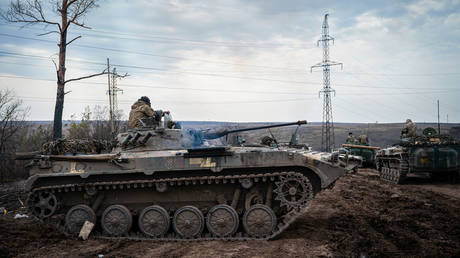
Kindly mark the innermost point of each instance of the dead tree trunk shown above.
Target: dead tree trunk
(59, 107)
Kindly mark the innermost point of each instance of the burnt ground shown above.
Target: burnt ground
(360, 216)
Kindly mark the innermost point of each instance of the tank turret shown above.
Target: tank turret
(160, 138)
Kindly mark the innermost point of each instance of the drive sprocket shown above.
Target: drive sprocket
(293, 190)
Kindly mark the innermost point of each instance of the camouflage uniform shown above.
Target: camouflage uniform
(409, 129)
(139, 110)
(351, 139)
(362, 139)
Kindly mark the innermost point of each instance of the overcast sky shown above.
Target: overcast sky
(249, 60)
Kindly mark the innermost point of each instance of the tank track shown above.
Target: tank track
(394, 170)
(283, 223)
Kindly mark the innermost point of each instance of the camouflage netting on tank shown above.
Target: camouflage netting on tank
(73, 146)
(422, 140)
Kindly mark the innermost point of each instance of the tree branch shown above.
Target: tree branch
(71, 2)
(78, 10)
(73, 40)
(49, 32)
(27, 12)
(80, 24)
(122, 76)
(86, 77)
(55, 65)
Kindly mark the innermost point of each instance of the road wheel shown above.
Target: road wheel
(259, 221)
(222, 220)
(188, 222)
(76, 217)
(154, 221)
(116, 220)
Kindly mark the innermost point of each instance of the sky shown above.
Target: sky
(243, 61)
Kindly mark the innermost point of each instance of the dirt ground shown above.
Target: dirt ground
(361, 216)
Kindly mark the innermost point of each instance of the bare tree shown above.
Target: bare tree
(12, 116)
(31, 138)
(95, 124)
(101, 123)
(68, 12)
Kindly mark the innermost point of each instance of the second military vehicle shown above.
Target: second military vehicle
(175, 184)
(430, 153)
(365, 151)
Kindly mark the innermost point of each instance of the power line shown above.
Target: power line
(48, 57)
(218, 75)
(143, 53)
(41, 66)
(201, 60)
(167, 40)
(404, 74)
(162, 87)
(85, 100)
(218, 42)
(354, 111)
(236, 91)
(391, 107)
(416, 108)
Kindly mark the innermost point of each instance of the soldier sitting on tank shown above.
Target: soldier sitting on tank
(351, 139)
(139, 110)
(409, 129)
(142, 115)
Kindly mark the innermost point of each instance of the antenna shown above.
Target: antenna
(110, 95)
(439, 125)
(327, 130)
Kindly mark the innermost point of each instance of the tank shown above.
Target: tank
(430, 154)
(363, 150)
(170, 184)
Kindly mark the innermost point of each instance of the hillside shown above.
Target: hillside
(379, 134)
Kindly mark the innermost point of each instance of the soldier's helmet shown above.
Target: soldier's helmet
(145, 99)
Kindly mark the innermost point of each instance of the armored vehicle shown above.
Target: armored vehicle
(430, 153)
(171, 184)
(365, 151)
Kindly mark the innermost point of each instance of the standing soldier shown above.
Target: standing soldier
(351, 139)
(409, 129)
(362, 139)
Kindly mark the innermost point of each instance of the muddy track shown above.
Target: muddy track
(361, 215)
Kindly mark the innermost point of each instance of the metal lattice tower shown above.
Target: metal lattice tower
(113, 91)
(327, 130)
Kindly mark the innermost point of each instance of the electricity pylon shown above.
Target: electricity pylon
(327, 130)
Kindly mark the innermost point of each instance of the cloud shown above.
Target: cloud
(453, 20)
(26, 50)
(423, 7)
(369, 21)
(236, 60)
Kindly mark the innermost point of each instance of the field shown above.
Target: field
(380, 135)
(360, 216)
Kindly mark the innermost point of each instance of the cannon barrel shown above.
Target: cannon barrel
(215, 135)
